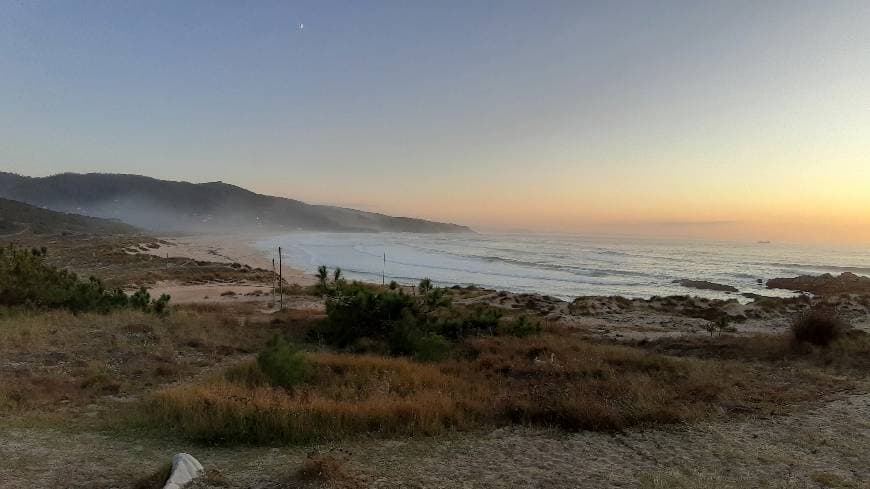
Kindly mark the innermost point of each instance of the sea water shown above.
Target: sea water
(563, 266)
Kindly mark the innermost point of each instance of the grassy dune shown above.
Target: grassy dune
(57, 359)
(552, 380)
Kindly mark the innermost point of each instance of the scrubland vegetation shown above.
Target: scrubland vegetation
(58, 359)
(385, 362)
(423, 325)
(817, 339)
(29, 283)
(551, 380)
(486, 371)
(382, 362)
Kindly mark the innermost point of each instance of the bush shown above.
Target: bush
(521, 327)
(141, 300)
(818, 327)
(431, 348)
(405, 335)
(30, 283)
(360, 313)
(422, 326)
(283, 364)
(456, 324)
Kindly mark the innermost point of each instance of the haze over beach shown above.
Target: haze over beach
(384, 244)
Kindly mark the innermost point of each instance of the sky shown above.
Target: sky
(746, 120)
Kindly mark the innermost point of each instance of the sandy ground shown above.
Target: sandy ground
(221, 249)
(826, 445)
(184, 294)
(226, 249)
(237, 292)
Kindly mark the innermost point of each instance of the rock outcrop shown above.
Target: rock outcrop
(827, 284)
(705, 285)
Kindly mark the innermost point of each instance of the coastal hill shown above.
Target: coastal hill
(17, 218)
(162, 205)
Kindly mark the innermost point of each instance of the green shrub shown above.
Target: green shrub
(520, 327)
(818, 327)
(456, 324)
(283, 364)
(405, 334)
(323, 278)
(360, 313)
(425, 286)
(30, 283)
(366, 318)
(431, 348)
(141, 300)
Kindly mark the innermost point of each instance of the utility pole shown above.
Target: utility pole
(281, 278)
(274, 279)
(384, 270)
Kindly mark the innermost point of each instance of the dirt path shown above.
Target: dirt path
(827, 446)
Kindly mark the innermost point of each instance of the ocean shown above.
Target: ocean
(564, 266)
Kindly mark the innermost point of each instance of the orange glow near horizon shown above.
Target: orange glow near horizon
(725, 120)
(810, 194)
(820, 218)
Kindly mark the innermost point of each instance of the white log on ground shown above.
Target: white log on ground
(185, 468)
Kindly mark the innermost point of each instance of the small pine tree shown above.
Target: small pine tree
(425, 286)
(322, 278)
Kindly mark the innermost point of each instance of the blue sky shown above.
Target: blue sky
(551, 115)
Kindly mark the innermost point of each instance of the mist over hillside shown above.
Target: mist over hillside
(18, 218)
(162, 205)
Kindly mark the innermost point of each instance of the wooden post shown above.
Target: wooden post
(384, 270)
(281, 279)
(274, 280)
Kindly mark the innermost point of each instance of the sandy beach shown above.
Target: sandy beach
(220, 249)
(606, 316)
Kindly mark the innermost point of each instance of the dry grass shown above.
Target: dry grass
(676, 479)
(331, 470)
(834, 481)
(554, 380)
(119, 261)
(351, 395)
(57, 360)
(849, 354)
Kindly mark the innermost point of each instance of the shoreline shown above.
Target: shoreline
(221, 249)
(230, 249)
(608, 315)
(225, 249)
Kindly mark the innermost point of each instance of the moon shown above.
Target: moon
(301, 26)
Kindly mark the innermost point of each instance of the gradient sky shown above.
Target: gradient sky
(731, 119)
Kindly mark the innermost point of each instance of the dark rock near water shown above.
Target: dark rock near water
(827, 284)
(705, 285)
